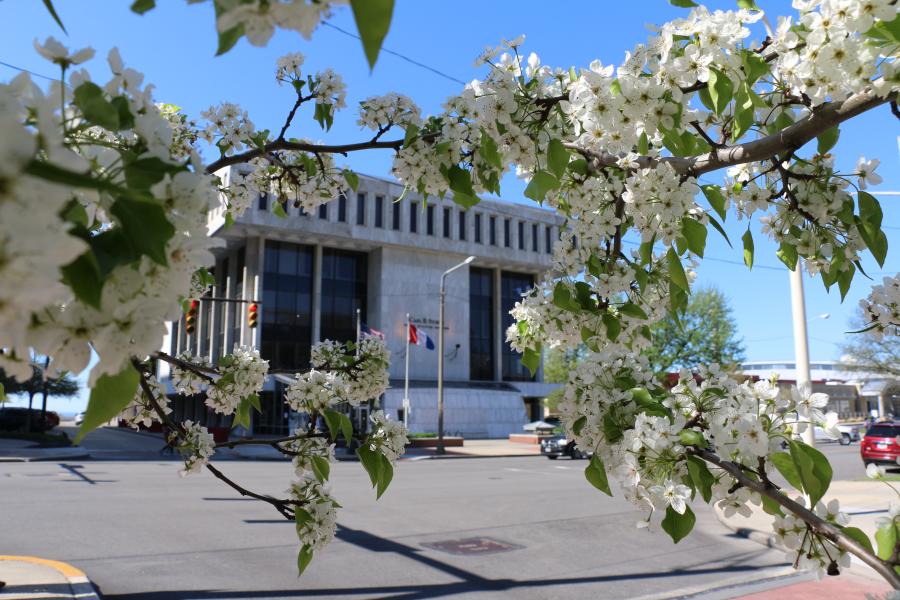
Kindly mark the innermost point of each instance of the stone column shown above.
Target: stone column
(228, 307)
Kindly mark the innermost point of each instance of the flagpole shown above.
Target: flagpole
(358, 317)
(406, 380)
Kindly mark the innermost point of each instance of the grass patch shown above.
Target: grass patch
(44, 440)
(413, 436)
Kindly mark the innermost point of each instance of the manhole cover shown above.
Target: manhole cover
(477, 545)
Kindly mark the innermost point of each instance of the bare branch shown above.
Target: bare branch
(302, 147)
(205, 372)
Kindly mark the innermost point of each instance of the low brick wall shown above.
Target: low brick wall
(527, 438)
(432, 442)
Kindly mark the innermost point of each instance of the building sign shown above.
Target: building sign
(426, 323)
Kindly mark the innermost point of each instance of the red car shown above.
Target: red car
(880, 444)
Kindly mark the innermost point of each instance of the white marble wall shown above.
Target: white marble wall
(474, 413)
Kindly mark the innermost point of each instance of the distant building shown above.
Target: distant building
(384, 257)
(853, 393)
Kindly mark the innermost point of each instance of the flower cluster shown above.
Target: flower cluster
(196, 446)
(387, 437)
(243, 374)
(808, 550)
(315, 391)
(140, 411)
(362, 367)
(259, 18)
(228, 127)
(882, 307)
(188, 381)
(305, 448)
(380, 112)
(316, 512)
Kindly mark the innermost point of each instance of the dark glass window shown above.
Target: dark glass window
(263, 202)
(343, 291)
(323, 212)
(477, 228)
(512, 286)
(446, 222)
(882, 431)
(492, 231)
(521, 235)
(481, 324)
(534, 237)
(286, 310)
(506, 233)
(395, 207)
(360, 209)
(342, 209)
(547, 241)
(379, 211)
(462, 226)
(429, 220)
(413, 217)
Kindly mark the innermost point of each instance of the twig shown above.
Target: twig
(205, 372)
(712, 143)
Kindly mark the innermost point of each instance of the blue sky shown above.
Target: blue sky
(174, 45)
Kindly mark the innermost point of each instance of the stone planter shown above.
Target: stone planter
(432, 442)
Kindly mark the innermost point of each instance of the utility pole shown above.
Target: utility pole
(801, 342)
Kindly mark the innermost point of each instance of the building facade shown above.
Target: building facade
(381, 257)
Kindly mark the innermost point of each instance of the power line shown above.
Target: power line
(398, 55)
(5, 64)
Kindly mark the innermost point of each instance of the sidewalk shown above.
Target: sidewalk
(32, 577)
(864, 502)
(25, 451)
(470, 449)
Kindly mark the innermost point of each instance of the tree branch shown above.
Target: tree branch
(302, 147)
(205, 372)
(787, 140)
(816, 523)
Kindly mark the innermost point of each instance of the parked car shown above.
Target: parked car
(79, 418)
(559, 445)
(849, 433)
(15, 418)
(880, 444)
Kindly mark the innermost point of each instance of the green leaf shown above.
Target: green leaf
(718, 227)
(682, 3)
(695, 234)
(333, 420)
(145, 172)
(869, 209)
(721, 90)
(145, 225)
(785, 465)
(701, 476)
(615, 88)
(351, 178)
(715, 198)
(242, 414)
(885, 33)
(632, 310)
(771, 506)
(754, 65)
(886, 538)
(613, 326)
(747, 4)
(370, 462)
(304, 557)
(373, 19)
(278, 210)
(557, 158)
(411, 134)
(813, 469)
(595, 473)
(142, 6)
(489, 151)
(860, 537)
(540, 184)
(346, 428)
(460, 181)
(49, 5)
(828, 139)
(691, 437)
(321, 468)
(787, 254)
(579, 424)
(676, 525)
(531, 359)
(643, 145)
(747, 238)
(96, 109)
(385, 476)
(109, 397)
(83, 276)
(676, 270)
(744, 114)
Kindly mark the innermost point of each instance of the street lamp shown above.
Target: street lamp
(440, 442)
(801, 342)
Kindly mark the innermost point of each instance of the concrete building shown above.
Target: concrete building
(384, 257)
(853, 393)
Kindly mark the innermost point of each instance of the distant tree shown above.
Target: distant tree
(557, 366)
(871, 351)
(63, 386)
(705, 334)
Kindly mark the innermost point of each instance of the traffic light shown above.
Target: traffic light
(252, 314)
(190, 319)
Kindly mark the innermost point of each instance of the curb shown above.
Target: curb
(79, 583)
(44, 458)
